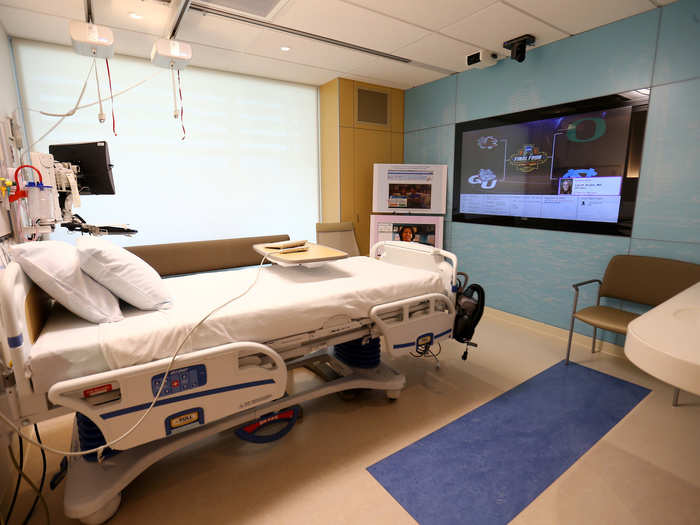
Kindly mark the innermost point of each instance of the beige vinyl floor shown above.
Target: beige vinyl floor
(646, 470)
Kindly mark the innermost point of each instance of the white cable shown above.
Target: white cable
(63, 117)
(172, 75)
(77, 104)
(71, 112)
(118, 93)
(101, 114)
(100, 449)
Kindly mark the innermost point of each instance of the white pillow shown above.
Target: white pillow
(55, 268)
(128, 277)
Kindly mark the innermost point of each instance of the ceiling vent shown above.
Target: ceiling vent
(260, 8)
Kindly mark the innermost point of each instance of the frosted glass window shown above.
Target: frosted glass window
(249, 164)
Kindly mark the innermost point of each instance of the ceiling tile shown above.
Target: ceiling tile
(433, 15)
(217, 31)
(154, 15)
(492, 26)
(348, 23)
(438, 50)
(575, 16)
(35, 26)
(237, 62)
(404, 74)
(379, 81)
(65, 8)
(305, 51)
(133, 43)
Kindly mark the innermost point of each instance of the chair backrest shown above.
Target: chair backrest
(647, 280)
(338, 235)
(203, 256)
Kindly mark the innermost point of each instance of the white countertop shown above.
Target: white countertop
(665, 341)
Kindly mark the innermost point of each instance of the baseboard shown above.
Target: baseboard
(578, 340)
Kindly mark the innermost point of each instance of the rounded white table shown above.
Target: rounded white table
(665, 341)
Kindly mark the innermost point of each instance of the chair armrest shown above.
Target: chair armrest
(576, 286)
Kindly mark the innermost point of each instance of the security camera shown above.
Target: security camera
(481, 59)
(517, 46)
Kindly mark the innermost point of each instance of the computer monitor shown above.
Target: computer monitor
(95, 175)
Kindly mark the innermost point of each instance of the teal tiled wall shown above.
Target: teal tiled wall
(529, 272)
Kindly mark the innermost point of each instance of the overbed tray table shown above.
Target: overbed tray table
(316, 253)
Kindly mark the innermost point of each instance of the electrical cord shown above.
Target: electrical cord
(101, 113)
(77, 104)
(99, 450)
(84, 106)
(182, 107)
(31, 484)
(19, 475)
(111, 97)
(43, 478)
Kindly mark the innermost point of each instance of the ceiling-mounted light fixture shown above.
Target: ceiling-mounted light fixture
(175, 56)
(285, 48)
(135, 16)
(91, 40)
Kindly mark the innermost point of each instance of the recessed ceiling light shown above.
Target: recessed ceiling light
(285, 48)
(135, 16)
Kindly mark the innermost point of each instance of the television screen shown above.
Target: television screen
(572, 167)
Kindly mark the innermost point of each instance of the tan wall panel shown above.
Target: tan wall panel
(397, 111)
(346, 98)
(347, 174)
(397, 148)
(330, 154)
(370, 147)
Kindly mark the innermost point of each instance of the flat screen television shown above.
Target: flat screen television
(571, 167)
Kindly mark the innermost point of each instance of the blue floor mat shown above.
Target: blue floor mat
(488, 465)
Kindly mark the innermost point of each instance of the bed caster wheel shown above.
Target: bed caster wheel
(106, 512)
(393, 395)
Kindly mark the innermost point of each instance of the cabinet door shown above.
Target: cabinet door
(370, 147)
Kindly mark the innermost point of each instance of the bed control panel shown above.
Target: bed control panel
(180, 380)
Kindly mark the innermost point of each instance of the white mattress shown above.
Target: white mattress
(284, 302)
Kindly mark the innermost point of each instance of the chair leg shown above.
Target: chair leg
(676, 393)
(571, 334)
(593, 345)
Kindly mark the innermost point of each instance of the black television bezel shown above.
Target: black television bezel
(623, 226)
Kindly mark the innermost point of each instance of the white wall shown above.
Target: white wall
(8, 103)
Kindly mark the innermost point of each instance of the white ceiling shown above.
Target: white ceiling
(434, 34)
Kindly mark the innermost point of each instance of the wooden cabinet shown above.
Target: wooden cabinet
(361, 124)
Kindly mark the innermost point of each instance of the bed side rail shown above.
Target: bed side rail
(407, 328)
(201, 387)
(415, 255)
(15, 290)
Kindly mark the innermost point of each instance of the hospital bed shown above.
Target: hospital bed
(234, 371)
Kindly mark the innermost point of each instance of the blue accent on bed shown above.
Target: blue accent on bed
(15, 341)
(488, 465)
(194, 395)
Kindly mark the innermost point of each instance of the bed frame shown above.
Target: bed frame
(228, 386)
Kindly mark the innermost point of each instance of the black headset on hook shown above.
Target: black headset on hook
(469, 305)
